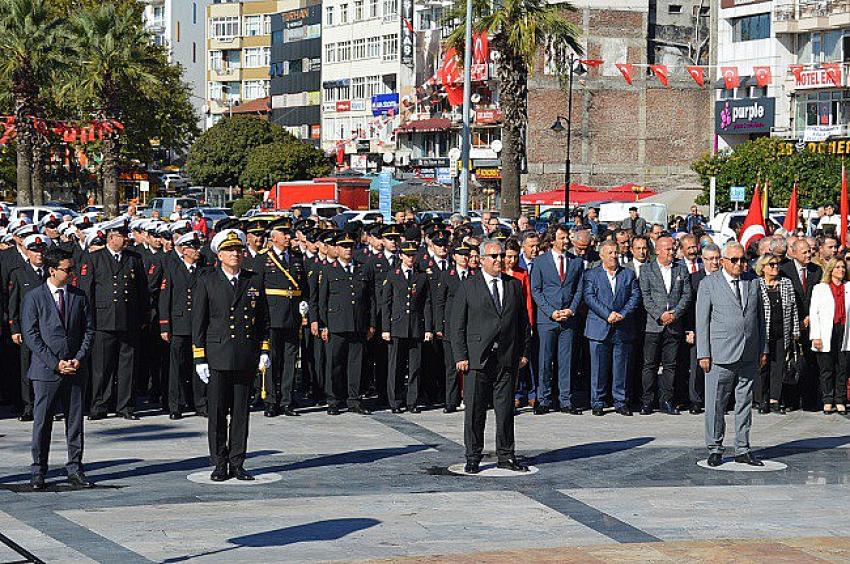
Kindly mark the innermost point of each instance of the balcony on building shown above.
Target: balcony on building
(226, 72)
(800, 16)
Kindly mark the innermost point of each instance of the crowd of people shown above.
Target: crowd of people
(297, 312)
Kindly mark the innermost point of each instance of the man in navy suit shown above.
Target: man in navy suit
(612, 295)
(556, 288)
(58, 327)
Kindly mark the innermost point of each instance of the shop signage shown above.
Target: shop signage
(488, 174)
(315, 132)
(343, 106)
(328, 107)
(406, 32)
(817, 78)
(385, 194)
(364, 145)
(385, 104)
(430, 162)
(838, 147)
(488, 116)
(818, 133)
(358, 105)
(744, 116)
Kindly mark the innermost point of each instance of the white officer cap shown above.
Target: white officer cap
(51, 217)
(138, 224)
(25, 230)
(152, 226)
(188, 238)
(18, 222)
(93, 234)
(162, 230)
(64, 227)
(118, 224)
(180, 225)
(36, 242)
(227, 239)
(82, 221)
(7, 238)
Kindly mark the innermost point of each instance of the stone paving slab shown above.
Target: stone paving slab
(35, 542)
(784, 551)
(335, 528)
(684, 513)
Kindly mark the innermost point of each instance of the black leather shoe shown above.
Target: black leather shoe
(715, 459)
(695, 409)
(359, 409)
(777, 408)
(333, 410)
(668, 408)
(414, 409)
(37, 482)
(748, 458)
(58, 417)
(512, 465)
(764, 408)
(645, 410)
(598, 411)
(240, 474)
(271, 411)
(624, 411)
(397, 410)
(79, 480)
(289, 412)
(176, 415)
(220, 474)
(571, 410)
(472, 467)
(26, 416)
(541, 409)
(449, 409)
(130, 416)
(97, 416)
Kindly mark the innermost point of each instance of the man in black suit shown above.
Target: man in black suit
(407, 323)
(491, 340)
(804, 276)
(175, 326)
(116, 285)
(58, 327)
(22, 279)
(230, 332)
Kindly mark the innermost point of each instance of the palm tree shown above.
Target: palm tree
(29, 51)
(519, 30)
(115, 59)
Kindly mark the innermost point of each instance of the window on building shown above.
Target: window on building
(373, 49)
(194, 12)
(159, 16)
(315, 64)
(358, 10)
(277, 37)
(216, 60)
(674, 9)
(359, 49)
(330, 53)
(224, 28)
(390, 47)
(358, 87)
(390, 8)
(329, 15)
(216, 91)
(253, 25)
(373, 86)
(267, 24)
(329, 94)
(343, 51)
(343, 13)
(256, 57)
(256, 89)
(750, 28)
(343, 92)
(232, 91)
(373, 8)
(758, 91)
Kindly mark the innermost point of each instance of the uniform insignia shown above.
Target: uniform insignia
(151, 269)
(386, 281)
(83, 269)
(398, 271)
(162, 286)
(253, 293)
(429, 271)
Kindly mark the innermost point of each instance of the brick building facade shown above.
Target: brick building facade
(644, 133)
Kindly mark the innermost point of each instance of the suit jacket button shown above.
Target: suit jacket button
(232, 327)
(232, 336)
(352, 303)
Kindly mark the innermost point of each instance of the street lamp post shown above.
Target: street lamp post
(558, 127)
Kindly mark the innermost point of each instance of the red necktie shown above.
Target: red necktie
(693, 267)
(804, 280)
(561, 272)
(61, 306)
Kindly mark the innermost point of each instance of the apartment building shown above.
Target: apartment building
(238, 53)
(178, 25)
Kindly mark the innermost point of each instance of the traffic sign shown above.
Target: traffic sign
(737, 193)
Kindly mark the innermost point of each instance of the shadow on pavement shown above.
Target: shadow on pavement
(354, 457)
(331, 529)
(803, 446)
(588, 450)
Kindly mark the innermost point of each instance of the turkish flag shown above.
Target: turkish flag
(796, 70)
(753, 228)
(730, 77)
(696, 74)
(591, 62)
(480, 48)
(763, 75)
(661, 73)
(833, 72)
(626, 70)
(790, 224)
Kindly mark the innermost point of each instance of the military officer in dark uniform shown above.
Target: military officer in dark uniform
(283, 279)
(229, 334)
(347, 314)
(407, 323)
(175, 326)
(11, 258)
(49, 225)
(313, 355)
(23, 279)
(435, 263)
(114, 280)
(153, 356)
(450, 282)
(256, 232)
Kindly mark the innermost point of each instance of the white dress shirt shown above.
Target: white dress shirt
(612, 279)
(54, 291)
(499, 284)
(667, 275)
(232, 277)
(556, 257)
(731, 282)
(638, 265)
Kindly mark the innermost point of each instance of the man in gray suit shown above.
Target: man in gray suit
(58, 327)
(731, 345)
(666, 289)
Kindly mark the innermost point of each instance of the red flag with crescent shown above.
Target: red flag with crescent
(763, 75)
(593, 63)
(626, 70)
(661, 73)
(697, 74)
(730, 77)
(833, 73)
(796, 70)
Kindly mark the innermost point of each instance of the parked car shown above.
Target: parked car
(174, 181)
(166, 205)
(324, 210)
(725, 224)
(213, 215)
(367, 217)
(35, 213)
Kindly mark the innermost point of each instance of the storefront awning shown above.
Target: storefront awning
(425, 125)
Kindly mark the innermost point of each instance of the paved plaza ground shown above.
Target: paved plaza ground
(607, 489)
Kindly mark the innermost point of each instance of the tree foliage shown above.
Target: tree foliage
(220, 154)
(818, 175)
(282, 162)
(244, 204)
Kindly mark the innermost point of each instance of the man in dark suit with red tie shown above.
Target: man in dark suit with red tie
(491, 341)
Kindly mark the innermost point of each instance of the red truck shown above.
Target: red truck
(350, 192)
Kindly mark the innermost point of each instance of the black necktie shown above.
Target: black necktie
(463, 276)
(40, 273)
(234, 281)
(496, 298)
(191, 269)
(442, 266)
(61, 305)
(117, 257)
(738, 293)
(407, 274)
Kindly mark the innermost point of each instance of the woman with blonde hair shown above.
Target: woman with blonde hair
(828, 330)
(783, 328)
